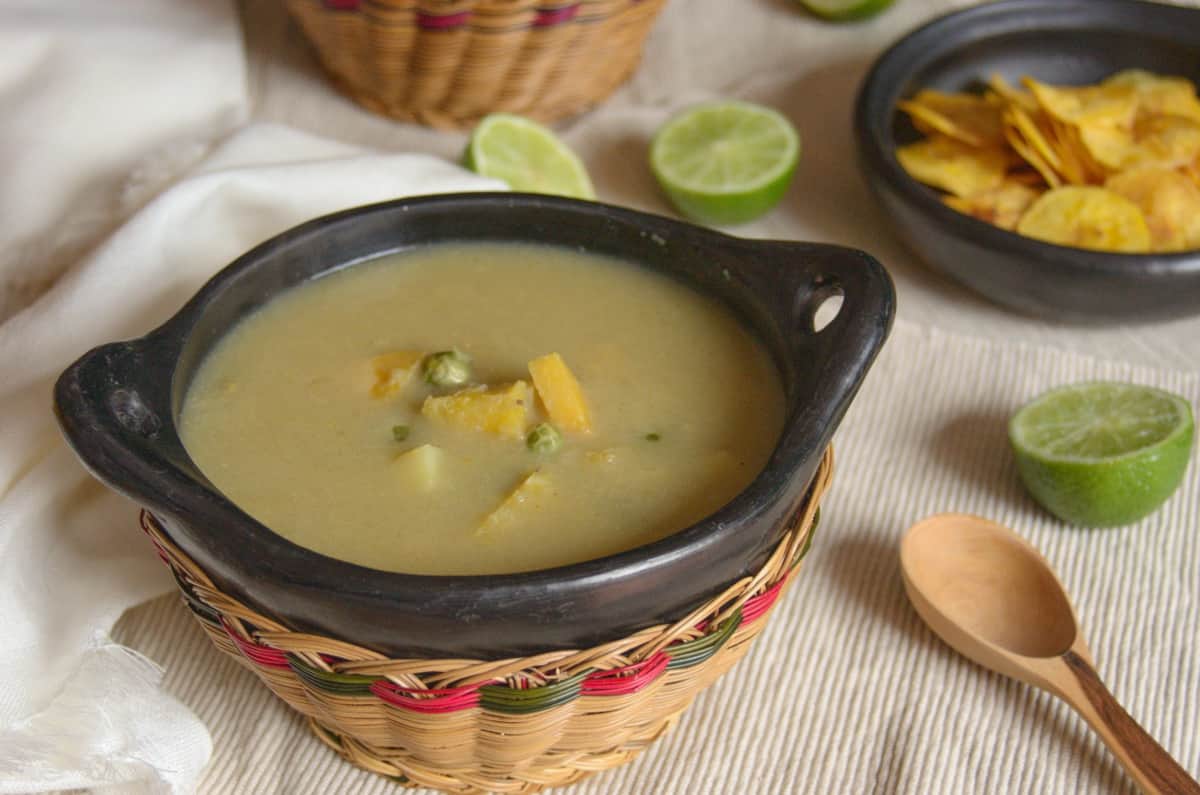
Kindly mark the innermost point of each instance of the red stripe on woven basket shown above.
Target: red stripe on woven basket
(158, 547)
(627, 679)
(442, 21)
(450, 699)
(555, 16)
(263, 655)
(162, 553)
(754, 607)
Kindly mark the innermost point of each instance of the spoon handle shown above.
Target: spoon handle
(1146, 761)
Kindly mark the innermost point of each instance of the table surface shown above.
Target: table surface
(769, 52)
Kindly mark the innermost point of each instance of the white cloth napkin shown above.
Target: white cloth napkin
(75, 710)
(89, 89)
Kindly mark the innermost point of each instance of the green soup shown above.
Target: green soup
(646, 407)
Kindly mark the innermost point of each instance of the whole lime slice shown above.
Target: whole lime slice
(725, 163)
(845, 10)
(527, 156)
(1102, 454)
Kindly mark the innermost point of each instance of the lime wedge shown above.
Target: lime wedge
(1102, 454)
(845, 10)
(526, 155)
(725, 163)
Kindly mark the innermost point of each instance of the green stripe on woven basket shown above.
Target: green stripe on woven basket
(694, 652)
(329, 682)
(518, 701)
(812, 531)
(203, 611)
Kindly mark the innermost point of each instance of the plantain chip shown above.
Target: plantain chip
(1030, 156)
(1159, 95)
(1193, 170)
(965, 117)
(953, 166)
(1170, 141)
(1028, 177)
(1083, 105)
(1079, 167)
(1170, 202)
(1107, 144)
(1001, 206)
(1034, 135)
(1004, 93)
(1085, 216)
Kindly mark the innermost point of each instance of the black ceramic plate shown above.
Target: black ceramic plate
(1056, 41)
(118, 407)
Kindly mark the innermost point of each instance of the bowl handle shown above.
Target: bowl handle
(115, 409)
(826, 363)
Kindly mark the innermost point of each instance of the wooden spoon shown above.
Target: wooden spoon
(990, 595)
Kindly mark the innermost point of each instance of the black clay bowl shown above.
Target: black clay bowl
(118, 407)
(1056, 41)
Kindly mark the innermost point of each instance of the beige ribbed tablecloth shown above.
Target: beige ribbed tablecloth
(846, 691)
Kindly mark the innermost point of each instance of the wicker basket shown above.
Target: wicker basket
(446, 63)
(514, 725)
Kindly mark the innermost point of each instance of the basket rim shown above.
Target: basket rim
(511, 685)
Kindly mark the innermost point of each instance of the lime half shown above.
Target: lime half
(725, 163)
(526, 155)
(845, 10)
(1102, 454)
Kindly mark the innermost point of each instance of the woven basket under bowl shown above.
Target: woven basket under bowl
(515, 725)
(447, 63)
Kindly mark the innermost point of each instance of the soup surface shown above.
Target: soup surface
(315, 414)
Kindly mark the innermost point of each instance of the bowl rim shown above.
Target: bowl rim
(885, 83)
(184, 320)
(299, 567)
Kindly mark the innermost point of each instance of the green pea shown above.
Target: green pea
(447, 368)
(544, 438)
(400, 432)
